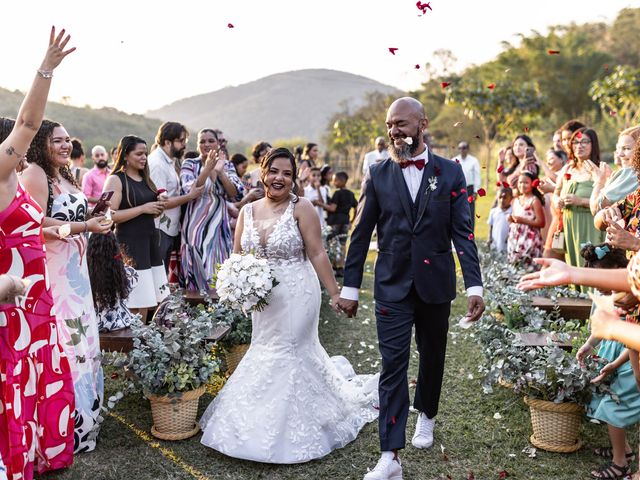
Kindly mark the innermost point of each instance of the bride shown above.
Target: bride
(287, 401)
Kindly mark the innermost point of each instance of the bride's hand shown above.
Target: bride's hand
(334, 303)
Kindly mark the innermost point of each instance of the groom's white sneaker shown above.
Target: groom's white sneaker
(423, 438)
(387, 468)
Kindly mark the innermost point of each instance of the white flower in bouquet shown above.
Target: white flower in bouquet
(244, 282)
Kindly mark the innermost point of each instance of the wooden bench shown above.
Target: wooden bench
(570, 308)
(122, 340)
(542, 340)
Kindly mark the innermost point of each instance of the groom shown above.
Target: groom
(418, 202)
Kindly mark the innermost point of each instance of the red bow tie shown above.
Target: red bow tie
(419, 164)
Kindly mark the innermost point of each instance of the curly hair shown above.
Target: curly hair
(613, 257)
(40, 153)
(107, 273)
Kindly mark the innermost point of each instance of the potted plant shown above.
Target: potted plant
(172, 361)
(237, 340)
(555, 386)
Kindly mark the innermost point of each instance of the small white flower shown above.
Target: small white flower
(433, 183)
(497, 416)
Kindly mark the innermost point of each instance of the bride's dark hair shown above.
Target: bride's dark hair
(268, 160)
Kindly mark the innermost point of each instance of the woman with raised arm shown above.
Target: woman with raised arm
(35, 376)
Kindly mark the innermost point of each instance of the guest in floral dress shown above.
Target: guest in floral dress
(206, 233)
(36, 386)
(526, 220)
(50, 182)
(111, 282)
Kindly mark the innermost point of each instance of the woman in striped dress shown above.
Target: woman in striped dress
(206, 235)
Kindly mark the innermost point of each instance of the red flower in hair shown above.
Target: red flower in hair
(535, 183)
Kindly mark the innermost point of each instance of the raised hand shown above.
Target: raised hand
(554, 272)
(56, 52)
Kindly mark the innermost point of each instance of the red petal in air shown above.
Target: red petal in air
(445, 84)
(393, 50)
(491, 86)
(477, 216)
(612, 113)
(526, 129)
(498, 184)
(470, 199)
(506, 185)
(482, 192)
(553, 52)
(230, 25)
(567, 176)
(393, 420)
(114, 375)
(427, 261)
(500, 168)
(454, 194)
(417, 67)
(471, 236)
(463, 190)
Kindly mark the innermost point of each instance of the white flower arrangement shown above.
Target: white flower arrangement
(244, 283)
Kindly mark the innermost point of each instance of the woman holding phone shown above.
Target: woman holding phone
(206, 233)
(136, 202)
(524, 161)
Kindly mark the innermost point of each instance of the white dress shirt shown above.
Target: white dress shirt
(373, 157)
(413, 178)
(471, 170)
(162, 171)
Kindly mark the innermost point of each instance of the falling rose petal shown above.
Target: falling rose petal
(491, 86)
(471, 236)
(503, 474)
(454, 194)
(427, 261)
(500, 168)
(612, 113)
(477, 216)
(526, 129)
(463, 190)
(460, 253)
(417, 67)
(393, 50)
(482, 192)
(470, 199)
(506, 185)
(553, 52)
(114, 375)
(457, 124)
(567, 176)
(457, 161)
(444, 84)
(230, 25)
(423, 7)
(393, 420)
(498, 183)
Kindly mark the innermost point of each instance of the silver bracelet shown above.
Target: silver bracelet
(48, 74)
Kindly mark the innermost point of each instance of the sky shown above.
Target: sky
(137, 55)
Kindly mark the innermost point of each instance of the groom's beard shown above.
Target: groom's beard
(406, 152)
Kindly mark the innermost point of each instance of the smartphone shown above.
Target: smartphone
(101, 206)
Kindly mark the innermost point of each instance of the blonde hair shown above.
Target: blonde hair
(633, 132)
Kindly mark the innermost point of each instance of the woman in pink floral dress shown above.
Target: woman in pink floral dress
(36, 387)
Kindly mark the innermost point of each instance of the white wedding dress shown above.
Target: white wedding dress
(287, 401)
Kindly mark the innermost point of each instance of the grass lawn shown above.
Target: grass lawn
(473, 440)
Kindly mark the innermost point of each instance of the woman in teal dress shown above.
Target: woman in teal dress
(572, 195)
(624, 411)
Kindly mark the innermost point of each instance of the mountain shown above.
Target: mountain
(281, 106)
(103, 126)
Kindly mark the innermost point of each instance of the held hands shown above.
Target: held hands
(554, 272)
(350, 307)
(196, 192)
(335, 300)
(56, 52)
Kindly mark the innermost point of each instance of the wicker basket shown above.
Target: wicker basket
(174, 417)
(555, 425)
(233, 356)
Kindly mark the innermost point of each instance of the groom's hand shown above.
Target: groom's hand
(350, 307)
(476, 307)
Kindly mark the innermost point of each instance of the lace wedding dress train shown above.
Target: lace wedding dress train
(287, 401)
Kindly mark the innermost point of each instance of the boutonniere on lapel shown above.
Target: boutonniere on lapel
(433, 183)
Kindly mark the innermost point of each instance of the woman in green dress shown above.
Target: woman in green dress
(572, 195)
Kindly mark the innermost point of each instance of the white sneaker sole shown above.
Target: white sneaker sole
(422, 447)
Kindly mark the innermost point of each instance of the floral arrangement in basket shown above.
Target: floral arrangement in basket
(244, 282)
(172, 355)
(222, 316)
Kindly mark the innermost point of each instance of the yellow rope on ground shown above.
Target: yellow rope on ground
(166, 452)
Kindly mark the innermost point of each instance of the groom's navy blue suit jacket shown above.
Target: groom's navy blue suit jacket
(414, 238)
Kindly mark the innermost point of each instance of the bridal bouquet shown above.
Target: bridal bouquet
(244, 283)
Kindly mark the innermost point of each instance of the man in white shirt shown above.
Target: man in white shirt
(471, 169)
(171, 141)
(408, 198)
(374, 156)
